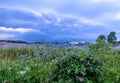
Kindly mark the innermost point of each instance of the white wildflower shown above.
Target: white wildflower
(22, 72)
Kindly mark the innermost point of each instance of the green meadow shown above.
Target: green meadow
(99, 64)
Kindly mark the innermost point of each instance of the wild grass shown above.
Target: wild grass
(35, 64)
(7, 53)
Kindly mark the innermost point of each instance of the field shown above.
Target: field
(99, 64)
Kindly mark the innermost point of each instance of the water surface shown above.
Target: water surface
(14, 45)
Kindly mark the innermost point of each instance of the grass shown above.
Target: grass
(35, 64)
(15, 52)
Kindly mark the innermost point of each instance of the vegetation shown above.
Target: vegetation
(14, 41)
(100, 47)
(112, 37)
(73, 68)
(101, 37)
(99, 64)
(111, 58)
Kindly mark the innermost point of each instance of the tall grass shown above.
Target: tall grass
(35, 64)
(39, 62)
(6, 53)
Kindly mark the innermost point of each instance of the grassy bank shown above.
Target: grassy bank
(38, 64)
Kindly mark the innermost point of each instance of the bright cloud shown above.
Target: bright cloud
(18, 30)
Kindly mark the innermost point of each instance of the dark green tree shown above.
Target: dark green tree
(112, 37)
(101, 38)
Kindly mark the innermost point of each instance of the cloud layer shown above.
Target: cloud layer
(61, 20)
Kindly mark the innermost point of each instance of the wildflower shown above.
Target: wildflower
(80, 79)
(27, 68)
(88, 63)
(21, 72)
(9, 68)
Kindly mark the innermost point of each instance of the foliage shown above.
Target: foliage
(85, 68)
(111, 57)
(101, 38)
(25, 70)
(100, 47)
(112, 37)
(37, 64)
(31, 64)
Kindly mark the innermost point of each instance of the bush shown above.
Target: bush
(75, 69)
(100, 47)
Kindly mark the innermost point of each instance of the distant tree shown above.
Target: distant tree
(112, 37)
(101, 38)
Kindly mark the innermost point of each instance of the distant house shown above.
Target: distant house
(74, 43)
(77, 43)
(82, 42)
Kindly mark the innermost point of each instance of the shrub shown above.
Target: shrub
(75, 69)
(100, 47)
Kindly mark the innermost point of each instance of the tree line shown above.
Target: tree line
(111, 38)
(13, 41)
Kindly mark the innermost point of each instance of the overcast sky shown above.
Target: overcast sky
(77, 20)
